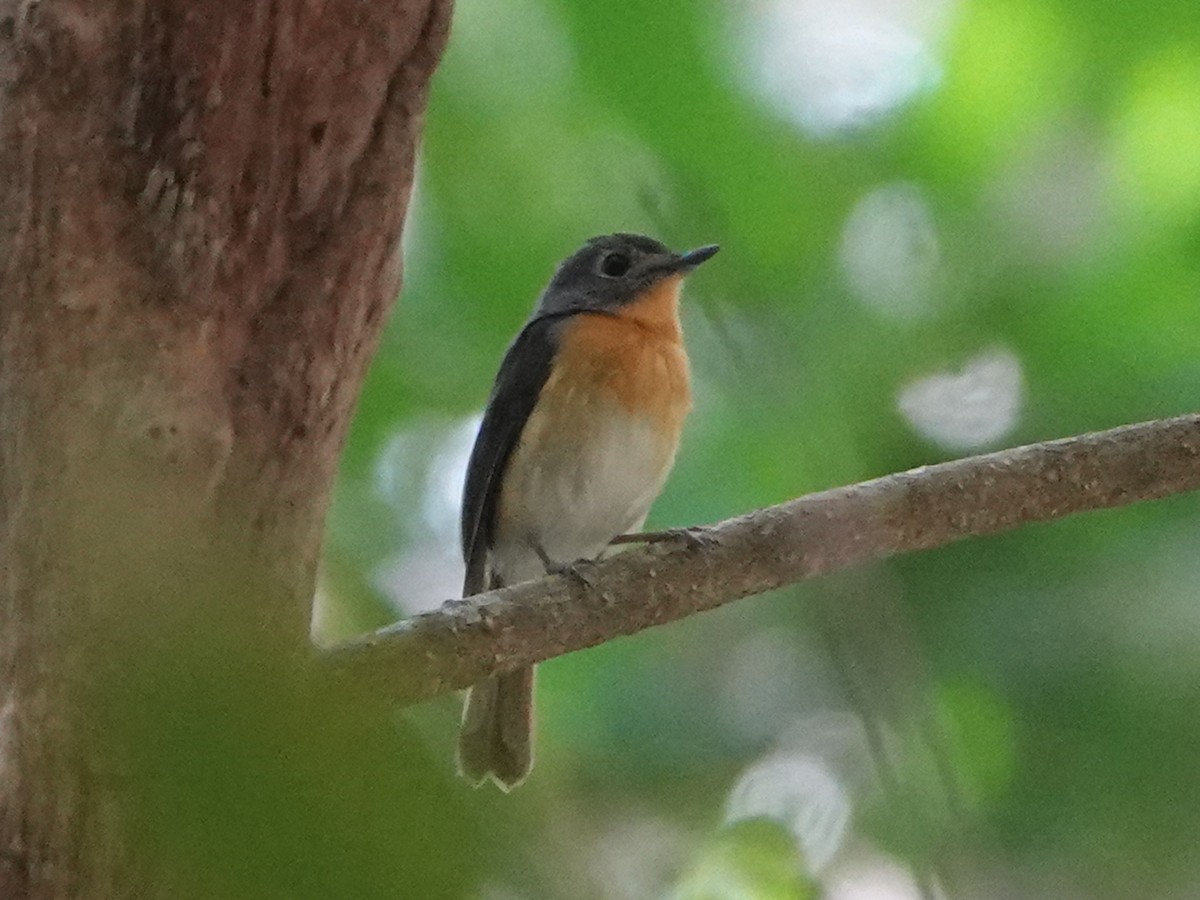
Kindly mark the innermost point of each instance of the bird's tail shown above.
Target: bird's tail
(496, 737)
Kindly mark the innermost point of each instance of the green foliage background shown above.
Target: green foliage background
(1030, 700)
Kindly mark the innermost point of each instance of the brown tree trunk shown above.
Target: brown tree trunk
(200, 211)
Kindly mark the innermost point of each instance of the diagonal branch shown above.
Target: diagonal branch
(769, 548)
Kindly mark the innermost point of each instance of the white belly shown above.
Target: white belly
(572, 502)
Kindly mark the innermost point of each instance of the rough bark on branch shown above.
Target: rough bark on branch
(924, 508)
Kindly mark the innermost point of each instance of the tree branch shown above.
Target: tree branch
(821, 533)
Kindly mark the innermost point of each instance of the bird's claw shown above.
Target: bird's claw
(466, 608)
(575, 571)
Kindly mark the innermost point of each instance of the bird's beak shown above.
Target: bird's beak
(688, 261)
(678, 263)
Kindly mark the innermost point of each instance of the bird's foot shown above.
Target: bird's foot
(577, 571)
(466, 608)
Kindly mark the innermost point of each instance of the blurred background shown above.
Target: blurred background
(949, 226)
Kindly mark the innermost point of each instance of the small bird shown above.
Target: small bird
(579, 433)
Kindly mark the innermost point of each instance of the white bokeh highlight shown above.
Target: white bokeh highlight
(422, 467)
(1054, 201)
(803, 795)
(769, 677)
(832, 66)
(889, 253)
(638, 857)
(975, 407)
(872, 875)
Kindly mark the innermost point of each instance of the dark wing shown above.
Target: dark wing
(525, 368)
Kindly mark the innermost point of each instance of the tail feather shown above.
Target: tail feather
(496, 737)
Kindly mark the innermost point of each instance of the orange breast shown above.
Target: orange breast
(637, 356)
(598, 445)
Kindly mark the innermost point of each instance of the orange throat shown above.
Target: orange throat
(657, 309)
(637, 356)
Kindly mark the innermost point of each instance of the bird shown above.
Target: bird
(578, 436)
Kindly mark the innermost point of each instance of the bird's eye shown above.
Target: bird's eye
(614, 265)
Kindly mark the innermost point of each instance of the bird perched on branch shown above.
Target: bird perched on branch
(579, 434)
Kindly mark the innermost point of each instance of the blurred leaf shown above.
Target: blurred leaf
(749, 860)
(980, 733)
(251, 775)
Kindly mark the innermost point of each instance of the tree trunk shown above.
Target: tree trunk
(200, 211)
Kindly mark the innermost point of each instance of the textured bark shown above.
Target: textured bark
(200, 210)
(929, 507)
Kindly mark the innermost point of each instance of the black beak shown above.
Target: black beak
(691, 259)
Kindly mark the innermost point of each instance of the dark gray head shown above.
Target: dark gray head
(612, 270)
